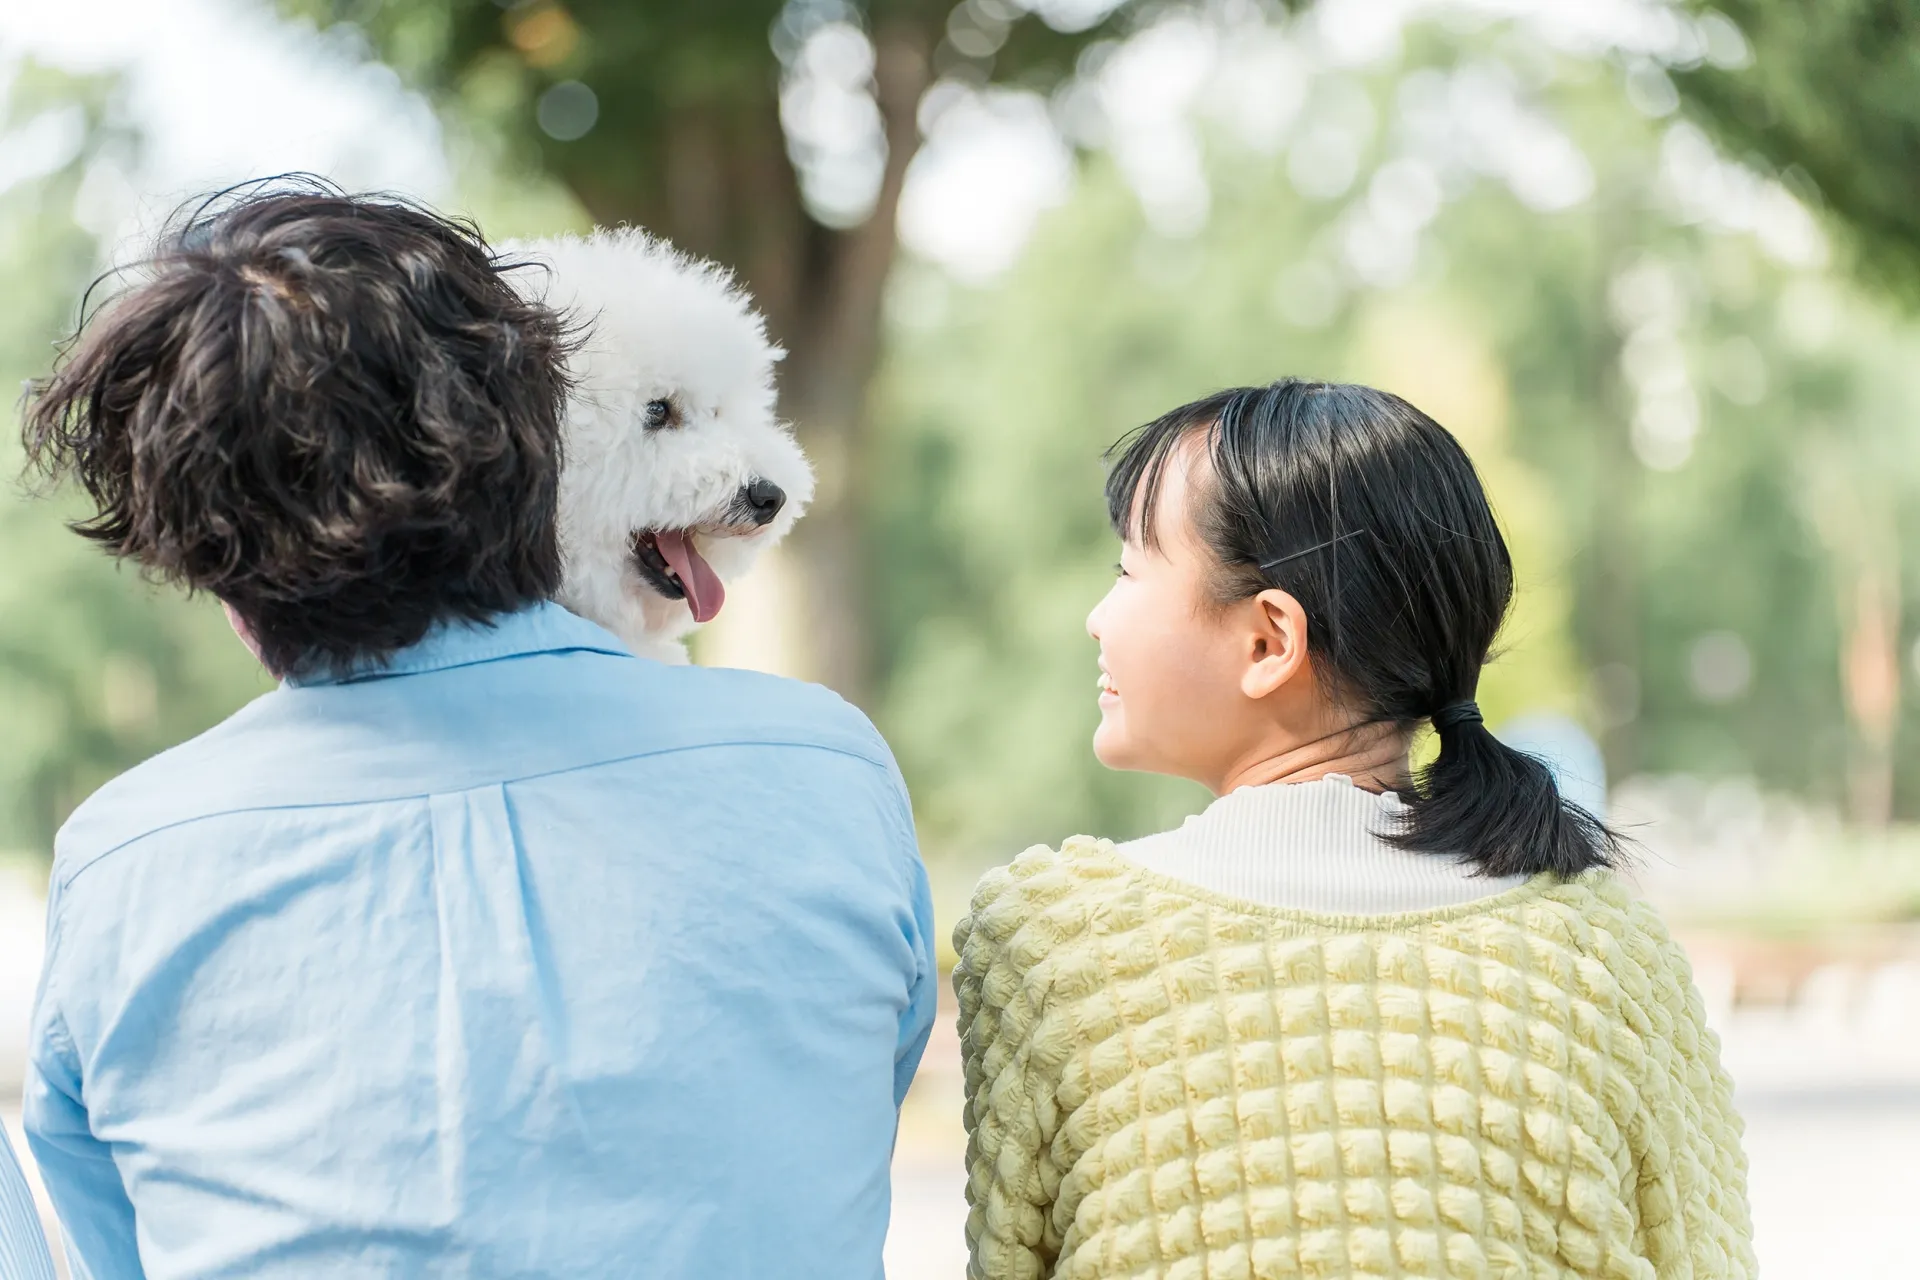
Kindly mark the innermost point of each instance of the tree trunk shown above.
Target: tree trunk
(835, 348)
(730, 194)
(1615, 589)
(1870, 668)
(1612, 625)
(1855, 515)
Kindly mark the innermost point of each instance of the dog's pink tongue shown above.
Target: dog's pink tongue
(705, 592)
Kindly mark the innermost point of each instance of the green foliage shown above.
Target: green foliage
(989, 542)
(1833, 886)
(1730, 541)
(997, 403)
(1830, 96)
(993, 529)
(680, 87)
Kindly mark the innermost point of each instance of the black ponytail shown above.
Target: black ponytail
(1519, 822)
(1370, 514)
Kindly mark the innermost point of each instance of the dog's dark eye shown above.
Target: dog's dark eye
(661, 413)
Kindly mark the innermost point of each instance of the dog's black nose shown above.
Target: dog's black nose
(763, 500)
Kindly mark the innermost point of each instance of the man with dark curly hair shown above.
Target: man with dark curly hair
(480, 947)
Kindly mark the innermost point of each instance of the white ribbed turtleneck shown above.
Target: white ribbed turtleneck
(1312, 846)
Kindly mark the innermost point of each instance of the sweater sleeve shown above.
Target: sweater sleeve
(1010, 1113)
(1691, 1174)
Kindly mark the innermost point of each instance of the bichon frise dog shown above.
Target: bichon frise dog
(677, 474)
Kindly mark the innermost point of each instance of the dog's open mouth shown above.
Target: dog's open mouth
(668, 562)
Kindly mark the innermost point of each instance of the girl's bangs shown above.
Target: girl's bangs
(1139, 462)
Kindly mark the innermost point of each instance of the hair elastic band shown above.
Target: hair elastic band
(1459, 713)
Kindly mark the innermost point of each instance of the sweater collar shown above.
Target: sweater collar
(1316, 846)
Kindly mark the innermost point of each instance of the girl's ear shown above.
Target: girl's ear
(1276, 643)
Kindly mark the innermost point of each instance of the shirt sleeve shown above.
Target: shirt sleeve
(916, 1021)
(78, 1169)
(23, 1247)
(1010, 1116)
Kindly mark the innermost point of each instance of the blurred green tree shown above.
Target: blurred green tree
(1690, 430)
(1829, 93)
(996, 543)
(97, 670)
(770, 135)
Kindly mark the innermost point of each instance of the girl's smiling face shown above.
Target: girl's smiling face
(1172, 660)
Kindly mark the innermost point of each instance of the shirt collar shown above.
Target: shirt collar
(543, 628)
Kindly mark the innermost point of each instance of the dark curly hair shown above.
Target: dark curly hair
(332, 412)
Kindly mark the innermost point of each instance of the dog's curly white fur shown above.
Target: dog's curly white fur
(674, 458)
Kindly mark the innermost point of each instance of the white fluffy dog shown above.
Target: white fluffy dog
(677, 474)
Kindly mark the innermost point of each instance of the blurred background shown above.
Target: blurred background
(1658, 265)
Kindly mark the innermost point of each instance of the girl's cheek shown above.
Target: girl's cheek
(1124, 631)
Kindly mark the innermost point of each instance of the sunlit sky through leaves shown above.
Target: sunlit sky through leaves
(221, 91)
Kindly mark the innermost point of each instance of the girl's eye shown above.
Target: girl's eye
(1119, 571)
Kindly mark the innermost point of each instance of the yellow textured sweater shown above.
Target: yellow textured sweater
(1166, 1082)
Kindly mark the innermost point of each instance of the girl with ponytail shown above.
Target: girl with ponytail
(1352, 1019)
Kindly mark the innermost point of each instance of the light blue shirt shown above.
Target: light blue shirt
(23, 1249)
(520, 957)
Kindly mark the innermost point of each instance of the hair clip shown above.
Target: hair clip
(1267, 566)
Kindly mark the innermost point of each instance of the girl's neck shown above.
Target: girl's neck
(1374, 756)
